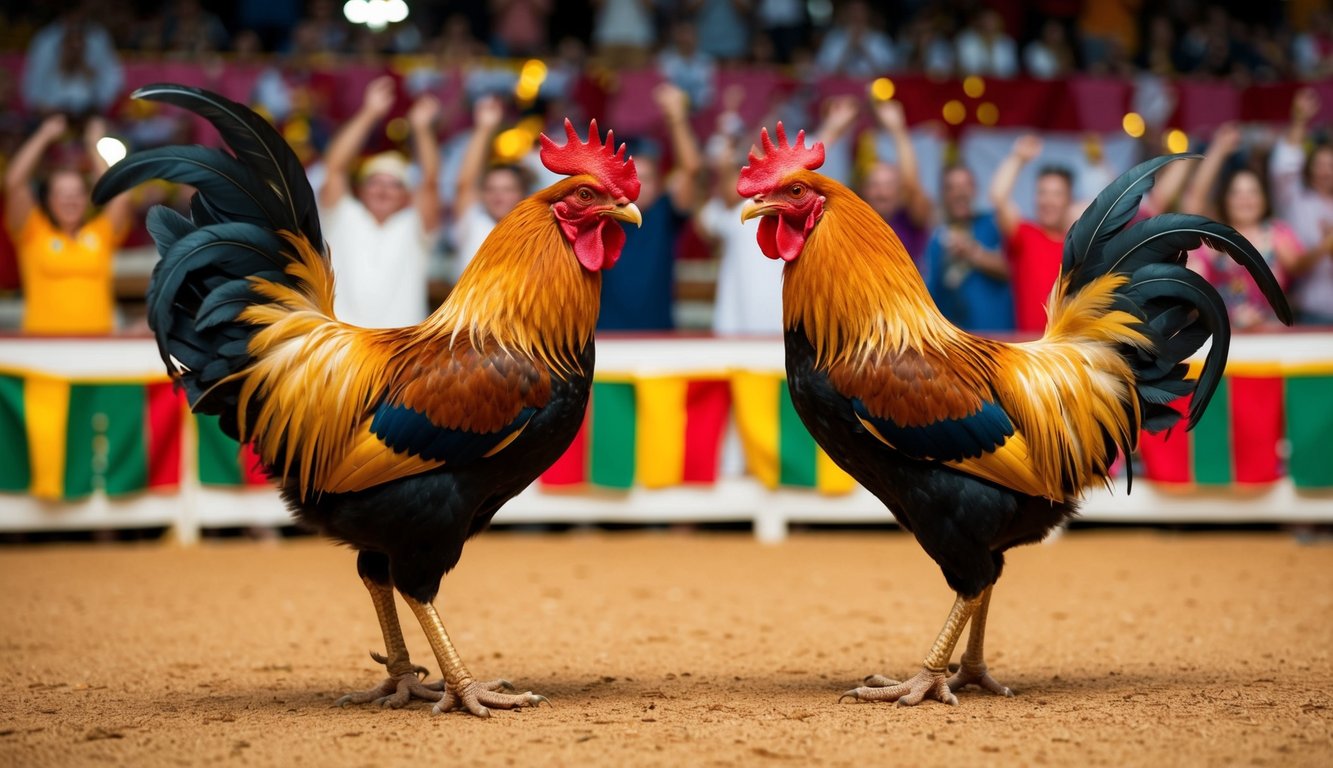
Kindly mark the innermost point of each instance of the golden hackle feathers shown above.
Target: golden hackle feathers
(854, 288)
(315, 380)
(855, 291)
(524, 291)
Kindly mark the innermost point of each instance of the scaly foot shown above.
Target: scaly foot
(396, 690)
(907, 693)
(969, 674)
(477, 696)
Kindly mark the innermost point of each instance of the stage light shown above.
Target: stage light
(882, 89)
(397, 129)
(974, 86)
(1133, 124)
(511, 145)
(111, 150)
(376, 14)
(954, 112)
(988, 113)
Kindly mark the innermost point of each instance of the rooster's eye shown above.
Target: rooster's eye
(796, 190)
(585, 194)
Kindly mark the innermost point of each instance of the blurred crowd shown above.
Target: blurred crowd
(1002, 38)
(409, 186)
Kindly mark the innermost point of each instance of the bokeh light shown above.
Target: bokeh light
(882, 89)
(1133, 125)
(112, 150)
(954, 112)
(1177, 141)
(988, 113)
(974, 87)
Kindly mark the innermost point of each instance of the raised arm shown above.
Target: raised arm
(486, 116)
(1198, 194)
(347, 142)
(120, 208)
(839, 114)
(683, 182)
(426, 197)
(890, 115)
(1007, 215)
(1288, 157)
(19, 200)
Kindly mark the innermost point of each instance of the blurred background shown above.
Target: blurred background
(921, 105)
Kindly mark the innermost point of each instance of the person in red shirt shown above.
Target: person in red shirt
(1033, 247)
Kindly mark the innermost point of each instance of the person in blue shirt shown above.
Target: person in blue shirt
(965, 270)
(639, 291)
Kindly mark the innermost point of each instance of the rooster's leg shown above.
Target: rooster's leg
(972, 667)
(930, 681)
(460, 689)
(404, 681)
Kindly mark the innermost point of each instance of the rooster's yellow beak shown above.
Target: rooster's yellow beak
(627, 212)
(753, 208)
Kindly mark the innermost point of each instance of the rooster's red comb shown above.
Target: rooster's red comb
(764, 172)
(615, 171)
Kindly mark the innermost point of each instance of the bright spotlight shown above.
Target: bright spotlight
(111, 150)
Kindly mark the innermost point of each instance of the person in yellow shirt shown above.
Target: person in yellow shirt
(65, 252)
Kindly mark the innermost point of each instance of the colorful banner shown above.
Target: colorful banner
(223, 461)
(1234, 443)
(80, 437)
(64, 439)
(1310, 426)
(779, 451)
(655, 432)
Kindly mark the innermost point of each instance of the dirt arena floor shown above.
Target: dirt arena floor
(1126, 648)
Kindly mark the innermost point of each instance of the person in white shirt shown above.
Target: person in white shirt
(379, 231)
(485, 193)
(1302, 184)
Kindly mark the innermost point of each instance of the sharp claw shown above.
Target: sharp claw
(379, 658)
(421, 671)
(535, 699)
(505, 684)
(852, 694)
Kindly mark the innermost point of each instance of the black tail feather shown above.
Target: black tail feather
(1177, 309)
(204, 281)
(258, 147)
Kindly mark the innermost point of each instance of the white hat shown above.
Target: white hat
(388, 163)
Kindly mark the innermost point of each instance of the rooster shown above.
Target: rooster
(402, 443)
(977, 446)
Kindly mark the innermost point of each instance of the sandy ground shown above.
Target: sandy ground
(1125, 648)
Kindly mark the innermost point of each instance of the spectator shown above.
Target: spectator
(893, 190)
(1303, 192)
(1107, 27)
(855, 46)
(519, 27)
(786, 24)
(984, 48)
(380, 237)
(1241, 202)
(485, 193)
(71, 67)
(965, 270)
(1034, 247)
(1049, 57)
(724, 27)
(623, 31)
(327, 27)
(749, 290)
(1312, 50)
(689, 68)
(926, 46)
(191, 30)
(638, 293)
(65, 254)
